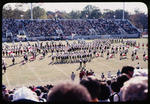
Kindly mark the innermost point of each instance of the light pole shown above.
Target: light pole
(21, 16)
(56, 15)
(86, 16)
(123, 10)
(31, 12)
(114, 16)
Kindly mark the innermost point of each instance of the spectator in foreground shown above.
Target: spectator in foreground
(120, 82)
(128, 70)
(92, 86)
(24, 94)
(68, 92)
(114, 90)
(135, 89)
(6, 97)
(105, 92)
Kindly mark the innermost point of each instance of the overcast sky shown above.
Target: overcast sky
(69, 6)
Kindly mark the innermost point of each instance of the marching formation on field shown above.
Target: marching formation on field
(77, 52)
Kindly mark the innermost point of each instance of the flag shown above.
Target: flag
(29, 49)
(137, 46)
(111, 55)
(124, 56)
(97, 54)
(32, 57)
(146, 57)
(11, 53)
(137, 57)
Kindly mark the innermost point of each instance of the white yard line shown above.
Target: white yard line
(34, 73)
(60, 70)
(7, 80)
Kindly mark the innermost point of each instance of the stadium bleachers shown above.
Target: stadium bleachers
(67, 27)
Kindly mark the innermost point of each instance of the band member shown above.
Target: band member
(123, 48)
(46, 51)
(18, 52)
(84, 63)
(21, 51)
(56, 58)
(147, 46)
(52, 50)
(107, 54)
(116, 49)
(52, 58)
(6, 53)
(43, 53)
(144, 54)
(139, 44)
(3, 53)
(136, 56)
(13, 60)
(4, 68)
(26, 58)
(121, 55)
(120, 48)
(113, 53)
(143, 45)
(102, 53)
(67, 58)
(132, 56)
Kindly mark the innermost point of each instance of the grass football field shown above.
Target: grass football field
(40, 72)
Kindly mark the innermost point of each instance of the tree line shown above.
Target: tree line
(138, 19)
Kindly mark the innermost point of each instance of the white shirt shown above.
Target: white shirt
(72, 76)
(109, 74)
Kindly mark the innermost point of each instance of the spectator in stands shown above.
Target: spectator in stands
(120, 82)
(105, 92)
(109, 83)
(92, 86)
(70, 92)
(135, 89)
(67, 27)
(128, 70)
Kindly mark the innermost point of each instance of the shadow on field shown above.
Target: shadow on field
(22, 64)
(78, 69)
(49, 56)
(11, 65)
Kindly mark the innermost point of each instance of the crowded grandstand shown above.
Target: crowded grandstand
(66, 28)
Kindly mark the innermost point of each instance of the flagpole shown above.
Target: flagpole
(123, 10)
(31, 12)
